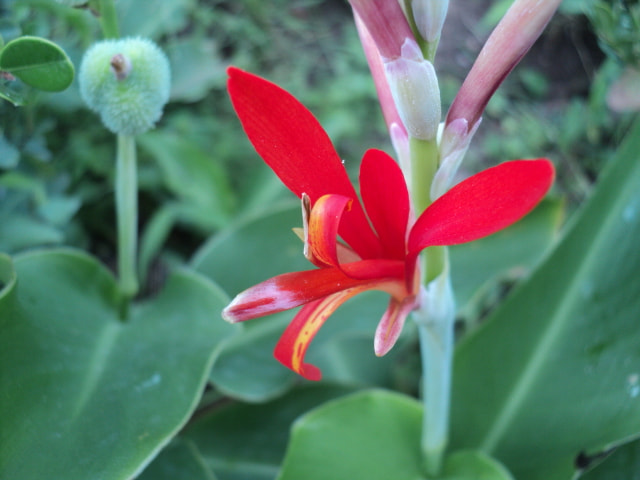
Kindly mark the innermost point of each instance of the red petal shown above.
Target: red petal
(482, 204)
(291, 141)
(386, 199)
(295, 340)
(323, 228)
(391, 324)
(291, 290)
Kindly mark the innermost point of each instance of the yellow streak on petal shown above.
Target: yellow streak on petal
(325, 308)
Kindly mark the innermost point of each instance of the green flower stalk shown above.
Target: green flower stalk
(127, 82)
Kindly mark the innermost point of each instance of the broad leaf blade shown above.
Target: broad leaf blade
(247, 442)
(85, 394)
(621, 464)
(373, 435)
(556, 371)
(178, 460)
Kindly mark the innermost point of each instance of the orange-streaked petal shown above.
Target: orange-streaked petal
(295, 340)
(386, 200)
(293, 289)
(295, 146)
(391, 324)
(324, 220)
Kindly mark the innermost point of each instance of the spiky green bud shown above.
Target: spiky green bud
(127, 82)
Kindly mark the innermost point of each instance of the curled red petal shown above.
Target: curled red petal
(295, 340)
(295, 146)
(482, 204)
(386, 200)
(293, 289)
(324, 220)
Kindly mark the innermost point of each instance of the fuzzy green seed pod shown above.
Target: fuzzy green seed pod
(127, 82)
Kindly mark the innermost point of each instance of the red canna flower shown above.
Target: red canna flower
(380, 243)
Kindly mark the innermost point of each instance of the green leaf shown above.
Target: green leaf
(254, 250)
(471, 465)
(16, 92)
(373, 434)
(37, 62)
(621, 464)
(9, 155)
(195, 68)
(20, 231)
(246, 369)
(84, 393)
(153, 19)
(510, 253)
(178, 460)
(193, 175)
(247, 442)
(7, 276)
(555, 372)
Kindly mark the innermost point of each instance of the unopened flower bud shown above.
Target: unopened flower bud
(429, 16)
(415, 91)
(127, 82)
(454, 142)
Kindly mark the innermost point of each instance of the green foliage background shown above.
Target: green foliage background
(77, 380)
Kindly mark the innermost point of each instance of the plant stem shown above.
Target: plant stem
(109, 19)
(424, 164)
(126, 190)
(436, 349)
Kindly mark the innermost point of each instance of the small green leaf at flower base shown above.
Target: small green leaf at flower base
(37, 62)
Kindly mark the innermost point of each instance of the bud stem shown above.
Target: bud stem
(424, 164)
(126, 191)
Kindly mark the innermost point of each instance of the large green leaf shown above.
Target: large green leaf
(153, 19)
(556, 371)
(510, 253)
(373, 435)
(195, 67)
(247, 442)
(85, 393)
(254, 250)
(621, 464)
(180, 460)
(194, 176)
(37, 62)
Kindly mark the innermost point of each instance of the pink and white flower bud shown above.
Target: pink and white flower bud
(415, 91)
(454, 143)
(429, 16)
(386, 23)
(400, 142)
(510, 40)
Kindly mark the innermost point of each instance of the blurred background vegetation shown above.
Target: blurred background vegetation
(198, 172)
